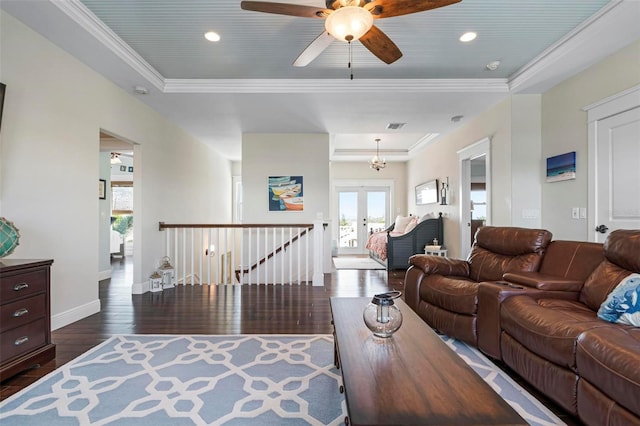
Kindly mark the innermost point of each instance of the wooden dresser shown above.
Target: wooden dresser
(25, 315)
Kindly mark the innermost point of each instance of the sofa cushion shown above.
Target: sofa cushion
(497, 250)
(548, 327)
(485, 265)
(440, 265)
(600, 283)
(454, 294)
(609, 359)
(622, 247)
(623, 303)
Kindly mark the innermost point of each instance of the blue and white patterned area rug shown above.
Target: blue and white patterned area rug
(213, 380)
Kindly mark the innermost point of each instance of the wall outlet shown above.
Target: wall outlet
(575, 213)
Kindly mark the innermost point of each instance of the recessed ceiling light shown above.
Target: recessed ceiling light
(467, 37)
(457, 118)
(212, 36)
(493, 65)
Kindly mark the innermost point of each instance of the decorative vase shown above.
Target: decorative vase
(381, 316)
(9, 237)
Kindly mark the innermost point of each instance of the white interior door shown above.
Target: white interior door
(617, 173)
(360, 211)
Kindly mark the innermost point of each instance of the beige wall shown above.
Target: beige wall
(54, 110)
(289, 154)
(440, 160)
(564, 129)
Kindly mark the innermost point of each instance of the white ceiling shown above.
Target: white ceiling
(246, 84)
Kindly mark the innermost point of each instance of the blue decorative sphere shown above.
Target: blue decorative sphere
(9, 236)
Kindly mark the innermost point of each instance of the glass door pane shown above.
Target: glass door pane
(376, 211)
(348, 217)
(360, 211)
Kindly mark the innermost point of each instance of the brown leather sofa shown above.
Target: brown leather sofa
(444, 291)
(543, 323)
(588, 366)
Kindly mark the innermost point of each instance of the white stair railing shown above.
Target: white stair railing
(245, 254)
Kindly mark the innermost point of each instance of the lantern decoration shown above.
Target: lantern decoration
(381, 316)
(167, 271)
(155, 282)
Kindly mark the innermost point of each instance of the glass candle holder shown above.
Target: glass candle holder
(381, 316)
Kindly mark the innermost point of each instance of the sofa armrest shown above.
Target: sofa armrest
(440, 265)
(543, 281)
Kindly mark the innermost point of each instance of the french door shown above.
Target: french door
(361, 210)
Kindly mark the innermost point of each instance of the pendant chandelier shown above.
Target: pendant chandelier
(376, 163)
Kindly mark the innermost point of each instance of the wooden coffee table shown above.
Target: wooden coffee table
(411, 378)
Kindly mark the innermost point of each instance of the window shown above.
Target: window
(121, 198)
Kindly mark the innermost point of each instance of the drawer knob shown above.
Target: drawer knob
(20, 286)
(20, 312)
(21, 340)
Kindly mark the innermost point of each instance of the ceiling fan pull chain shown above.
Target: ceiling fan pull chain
(350, 60)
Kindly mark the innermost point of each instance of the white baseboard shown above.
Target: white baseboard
(140, 288)
(75, 314)
(104, 275)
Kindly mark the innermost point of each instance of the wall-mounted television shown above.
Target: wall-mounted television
(2, 89)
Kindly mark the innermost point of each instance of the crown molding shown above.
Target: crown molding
(543, 64)
(81, 15)
(497, 85)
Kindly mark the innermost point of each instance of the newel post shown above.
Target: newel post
(318, 252)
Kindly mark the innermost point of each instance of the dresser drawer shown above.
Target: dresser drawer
(22, 311)
(26, 284)
(20, 340)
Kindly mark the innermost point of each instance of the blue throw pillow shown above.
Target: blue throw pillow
(623, 303)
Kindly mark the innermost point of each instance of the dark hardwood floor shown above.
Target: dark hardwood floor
(250, 309)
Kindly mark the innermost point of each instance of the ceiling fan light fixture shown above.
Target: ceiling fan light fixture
(349, 23)
(468, 36)
(212, 36)
(115, 158)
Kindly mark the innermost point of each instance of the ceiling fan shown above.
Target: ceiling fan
(350, 20)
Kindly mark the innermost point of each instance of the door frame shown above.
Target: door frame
(465, 155)
(604, 108)
(386, 184)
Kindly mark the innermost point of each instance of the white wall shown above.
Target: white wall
(564, 129)
(290, 154)
(526, 164)
(54, 110)
(440, 160)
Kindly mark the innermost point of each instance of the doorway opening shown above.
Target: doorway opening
(475, 191)
(116, 209)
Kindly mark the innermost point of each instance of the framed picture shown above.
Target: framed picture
(123, 168)
(427, 193)
(130, 169)
(561, 167)
(102, 189)
(285, 193)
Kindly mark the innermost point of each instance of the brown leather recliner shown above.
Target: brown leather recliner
(564, 269)
(444, 291)
(588, 366)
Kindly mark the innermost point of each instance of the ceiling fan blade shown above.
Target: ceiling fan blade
(381, 45)
(315, 48)
(388, 8)
(286, 9)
